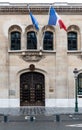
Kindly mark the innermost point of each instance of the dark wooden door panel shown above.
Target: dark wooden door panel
(32, 89)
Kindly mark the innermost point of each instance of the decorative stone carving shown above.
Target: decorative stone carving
(32, 56)
(32, 67)
(15, 28)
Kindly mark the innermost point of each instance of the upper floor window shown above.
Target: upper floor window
(31, 40)
(72, 40)
(48, 41)
(15, 40)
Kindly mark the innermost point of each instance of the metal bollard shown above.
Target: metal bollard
(57, 118)
(5, 118)
(31, 118)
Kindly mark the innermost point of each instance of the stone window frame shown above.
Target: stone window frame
(76, 29)
(14, 28)
(52, 30)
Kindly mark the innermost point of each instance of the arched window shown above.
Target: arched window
(48, 41)
(31, 40)
(15, 40)
(80, 84)
(72, 40)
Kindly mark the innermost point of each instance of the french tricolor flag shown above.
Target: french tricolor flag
(54, 19)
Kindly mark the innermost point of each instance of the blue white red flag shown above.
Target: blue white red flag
(54, 19)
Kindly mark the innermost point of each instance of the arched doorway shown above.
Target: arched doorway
(32, 89)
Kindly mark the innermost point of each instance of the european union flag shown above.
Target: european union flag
(34, 21)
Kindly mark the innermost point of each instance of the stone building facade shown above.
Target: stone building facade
(36, 67)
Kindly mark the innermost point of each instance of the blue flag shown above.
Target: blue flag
(34, 21)
(52, 17)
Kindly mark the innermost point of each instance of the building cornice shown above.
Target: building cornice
(66, 8)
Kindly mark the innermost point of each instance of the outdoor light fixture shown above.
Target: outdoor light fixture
(76, 89)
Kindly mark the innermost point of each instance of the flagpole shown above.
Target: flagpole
(48, 19)
(28, 8)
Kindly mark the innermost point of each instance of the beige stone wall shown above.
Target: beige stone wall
(57, 66)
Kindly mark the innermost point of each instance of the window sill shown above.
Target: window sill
(49, 51)
(21, 51)
(74, 51)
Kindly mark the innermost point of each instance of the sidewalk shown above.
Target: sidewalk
(38, 111)
(24, 114)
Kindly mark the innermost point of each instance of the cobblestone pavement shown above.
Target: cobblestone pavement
(23, 114)
(38, 111)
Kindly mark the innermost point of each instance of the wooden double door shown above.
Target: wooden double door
(32, 89)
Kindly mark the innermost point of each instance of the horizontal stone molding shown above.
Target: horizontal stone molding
(40, 9)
